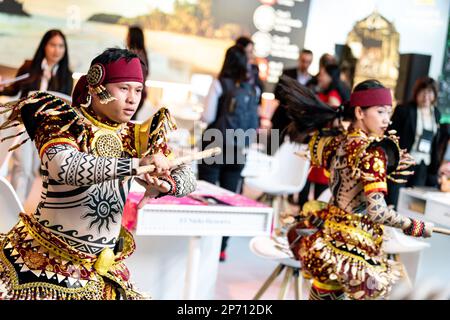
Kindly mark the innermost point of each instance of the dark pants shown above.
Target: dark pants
(228, 176)
(303, 195)
(418, 179)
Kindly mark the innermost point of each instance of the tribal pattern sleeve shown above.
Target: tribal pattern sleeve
(373, 175)
(67, 165)
(379, 212)
(182, 181)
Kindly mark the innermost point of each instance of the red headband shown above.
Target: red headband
(123, 71)
(113, 72)
(371, 97)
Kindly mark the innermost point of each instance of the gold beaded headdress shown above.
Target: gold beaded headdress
(95, 78)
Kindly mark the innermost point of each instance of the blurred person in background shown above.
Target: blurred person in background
(417, 126)
(441, 162)
(136, 44)
(48, 71)
(231, 104)
(324, 60)
(253, 71)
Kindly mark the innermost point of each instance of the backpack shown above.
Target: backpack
(237, 109)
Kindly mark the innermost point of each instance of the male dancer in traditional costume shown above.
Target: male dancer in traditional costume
(73, 246)
(343, 251)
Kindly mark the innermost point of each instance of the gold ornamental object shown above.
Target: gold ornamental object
(313, 206)
(107, 144)
(105, 261)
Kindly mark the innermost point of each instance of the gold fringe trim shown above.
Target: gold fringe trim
(326, 286)
(158, 137)
(41, 290)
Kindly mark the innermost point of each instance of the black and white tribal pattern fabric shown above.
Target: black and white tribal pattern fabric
(84, 196)
(185, 180)
(77, 168)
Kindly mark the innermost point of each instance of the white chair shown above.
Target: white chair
(277, 176)
(11, 206)
(287, 175)
(257, 163)
(278, 250)
(288, 172)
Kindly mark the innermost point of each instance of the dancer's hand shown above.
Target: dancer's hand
(153, 187)
(161, 163)
(419, 228)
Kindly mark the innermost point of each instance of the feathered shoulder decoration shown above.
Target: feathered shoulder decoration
(153, 133)
(36, 109)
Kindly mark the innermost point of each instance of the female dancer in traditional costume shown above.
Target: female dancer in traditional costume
(343, 252)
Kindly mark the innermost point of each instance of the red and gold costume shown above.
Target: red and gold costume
(339, 243)
(348, 246)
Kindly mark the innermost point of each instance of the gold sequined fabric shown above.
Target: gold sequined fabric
(347, 250)
(36, 265)
(107, 144)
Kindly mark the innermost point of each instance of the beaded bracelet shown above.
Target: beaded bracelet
(416, 229)
(172, 184)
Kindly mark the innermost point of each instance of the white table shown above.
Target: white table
(425, 203)
(173, 240)
(432, 206)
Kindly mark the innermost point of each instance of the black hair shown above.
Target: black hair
(244, 41)
(235, 64)
(308, 113)
(39, 55)
(136, 38)
(114, 54)
(368, 84)
(334, 71)
(306, 51)
(326, 59)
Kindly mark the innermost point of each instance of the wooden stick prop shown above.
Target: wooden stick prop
(302, 154)
(442, 230)
(182, 160)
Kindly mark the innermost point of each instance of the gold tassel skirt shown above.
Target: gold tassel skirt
(37, 265)
(347, 251)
